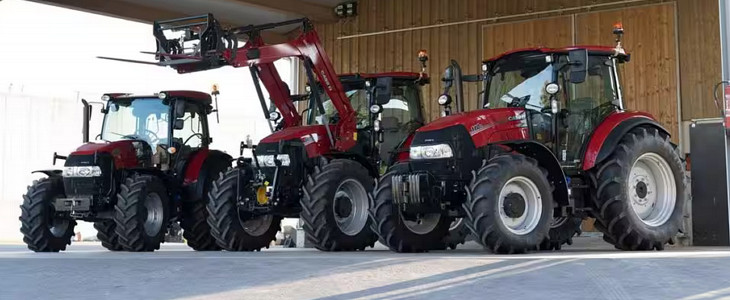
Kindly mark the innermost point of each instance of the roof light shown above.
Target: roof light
(162, 95)
(106, 98)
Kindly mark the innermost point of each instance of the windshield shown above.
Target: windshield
(140, 119)
(402, 109)
(520, 84)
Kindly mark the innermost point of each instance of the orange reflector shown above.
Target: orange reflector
(261, 195)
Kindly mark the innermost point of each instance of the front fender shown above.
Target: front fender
(609, 133)
(49, 173)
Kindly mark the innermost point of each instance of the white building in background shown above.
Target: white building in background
(40, 108)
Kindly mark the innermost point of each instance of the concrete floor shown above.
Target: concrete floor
(587, 270)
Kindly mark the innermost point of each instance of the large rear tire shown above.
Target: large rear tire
(335, 206)
(196, 230)
(562, 231)
(400, 233)
(43, 230)
(458, 232)
(230, 231)
(510, 205)
(641, 191)
(141, 213)
(106, 235)
(194, 221)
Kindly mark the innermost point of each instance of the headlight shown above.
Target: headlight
(90, 171)
(444, 99)
(431, 151)
(376, 108)
(268, 160)
(274, 116)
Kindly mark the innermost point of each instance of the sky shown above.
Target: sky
(51, 51)
(48, 63)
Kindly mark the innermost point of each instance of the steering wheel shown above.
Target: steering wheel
(200, 135)
(153, 139)
(517, 101)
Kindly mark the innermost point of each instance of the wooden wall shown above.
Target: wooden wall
(696, 25)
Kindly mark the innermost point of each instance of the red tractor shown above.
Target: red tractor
(549, 144)
(152, 169)
(321, 168)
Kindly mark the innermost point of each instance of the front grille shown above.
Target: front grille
(89, 186)
(76, 186)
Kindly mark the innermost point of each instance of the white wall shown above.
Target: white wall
(49, 65)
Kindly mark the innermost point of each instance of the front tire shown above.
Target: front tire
(510, 205)
(400, 233)
(640, 191)
(141, 213)
(226, 226)
(335, 206)
(43, 230)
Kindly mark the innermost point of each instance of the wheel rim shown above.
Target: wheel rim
(652, 189)
(455, 224)
(350, 207)
(257, 226)
(520, 205)
(558, 221)
(155, 214)
(423, 224)
(56, 226)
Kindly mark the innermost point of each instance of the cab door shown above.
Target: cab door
(583, 106)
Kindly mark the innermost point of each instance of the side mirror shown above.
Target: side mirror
(179, 109)
(179, 124)
(448, 78)
(578, 60)
(383, 90)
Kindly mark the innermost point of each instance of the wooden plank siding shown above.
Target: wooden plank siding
(649, 80)
(469, 43)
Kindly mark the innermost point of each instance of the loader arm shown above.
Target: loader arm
(217, 47)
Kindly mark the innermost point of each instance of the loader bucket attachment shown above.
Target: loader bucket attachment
(192, 43)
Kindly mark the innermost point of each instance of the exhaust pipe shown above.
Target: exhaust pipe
(87, 118)
(458, 86)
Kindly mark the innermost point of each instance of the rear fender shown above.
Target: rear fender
(372, 170)
(214, 163)
(49, 173)
(546, 159)
(609, 134)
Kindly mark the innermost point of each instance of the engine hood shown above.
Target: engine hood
(314, 138)
(123, 152)
(483, 125)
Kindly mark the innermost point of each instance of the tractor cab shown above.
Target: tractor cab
(388, 119)
(172, 124)
(565, 93)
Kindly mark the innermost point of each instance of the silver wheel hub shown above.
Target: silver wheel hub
(155, 214)
(520, 205)
(652, 189)
(258, 225)
(57, 226)
(422, 224)
(350, 207)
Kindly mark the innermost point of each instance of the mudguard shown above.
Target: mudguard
(608, 135)
(49, 173)
(547, 160)
(204, 164)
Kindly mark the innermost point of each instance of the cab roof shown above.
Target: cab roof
(395, 75)
(595, 50)
(201, 97)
